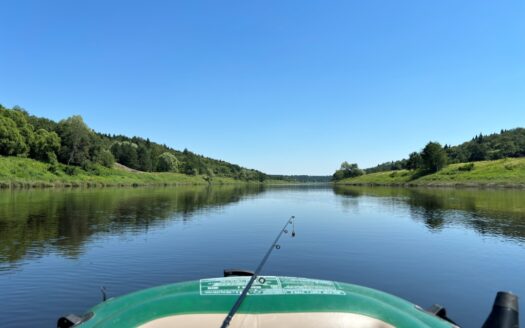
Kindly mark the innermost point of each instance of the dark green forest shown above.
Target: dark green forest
(70, 143)
(433, 157)
(301, 178)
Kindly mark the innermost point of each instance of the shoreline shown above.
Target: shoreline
(19, 185)
(25, 173)
(457, 185)
(502, 173)
(91, 184)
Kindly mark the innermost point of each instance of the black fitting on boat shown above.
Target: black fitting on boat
(68, 321)
(72, 320)
(505, 312)
(237, 273)
(440, 312)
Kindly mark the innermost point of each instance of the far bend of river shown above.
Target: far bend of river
(446, 246)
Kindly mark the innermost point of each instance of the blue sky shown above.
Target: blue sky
(291, 87)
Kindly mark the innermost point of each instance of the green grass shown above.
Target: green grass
(509, 172)
(381, 178)
(25, 172)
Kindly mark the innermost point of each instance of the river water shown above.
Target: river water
(455, 247)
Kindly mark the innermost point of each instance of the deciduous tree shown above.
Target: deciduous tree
(45, 146)
(76, 141)
(167, 163)
(434, 157)
(11, 140)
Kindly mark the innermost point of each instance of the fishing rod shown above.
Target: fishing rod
(246, 289)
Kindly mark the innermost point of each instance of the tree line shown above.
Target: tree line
(72, 144)
(433, 157)
(301, 178)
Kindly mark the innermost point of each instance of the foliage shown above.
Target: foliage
(11, 141)
(494, 172)
(26, 172)
(125, 153)
(71, 170)
(76, 141)
(167, 162)
(19, 116)
(105, 158)
(507, 143)
(466, 167)
(387, 166)
(72, 142)
(477, 151)
(148, 157)
(414, 161)
(380, 178)
(45, 146)
(502, 172)
(301, 178)
(433, 157)
(144, 159)
(347, 170)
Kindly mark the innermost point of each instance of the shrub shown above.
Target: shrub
(105, 157)
(167, 163)
(347, 170)
(466, 167)
(54, 168)
(71, 170)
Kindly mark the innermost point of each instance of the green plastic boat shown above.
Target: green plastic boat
(271, 302)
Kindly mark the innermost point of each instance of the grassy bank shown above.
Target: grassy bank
(24, 172)
(509, 172)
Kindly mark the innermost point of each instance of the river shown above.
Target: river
(455, 247)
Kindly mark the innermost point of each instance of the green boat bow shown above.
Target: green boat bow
(271, 302)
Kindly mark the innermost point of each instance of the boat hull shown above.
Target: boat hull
(272, 302)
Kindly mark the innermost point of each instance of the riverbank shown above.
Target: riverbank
(508, 172)
(18, 172)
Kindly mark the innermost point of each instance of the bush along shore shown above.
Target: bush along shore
(507, 172)
(496, 160)
(38, 151)
(18, 172)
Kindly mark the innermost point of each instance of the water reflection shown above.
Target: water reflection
(425, 245)
(493, 212)
(38, 222)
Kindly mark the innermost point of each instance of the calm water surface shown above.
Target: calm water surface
(453, 247)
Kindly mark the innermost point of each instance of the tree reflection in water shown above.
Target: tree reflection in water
(38, 222)
(494, 211)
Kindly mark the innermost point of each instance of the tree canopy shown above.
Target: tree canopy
(72, 142)
(77, 141)
(11, 140)
(347, 170)
(433, 157)
(167, 162)
(45, 146)
(506, 143)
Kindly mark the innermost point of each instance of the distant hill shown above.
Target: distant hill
(506, 143)
(433, 159)
(507, 172)
(301, 178)
(72, 143)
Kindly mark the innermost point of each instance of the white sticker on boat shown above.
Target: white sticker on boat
(269, 285)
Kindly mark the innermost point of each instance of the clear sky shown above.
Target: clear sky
(291, 87)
